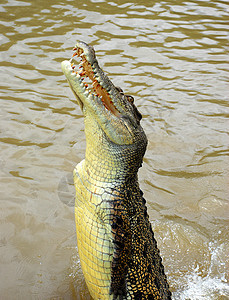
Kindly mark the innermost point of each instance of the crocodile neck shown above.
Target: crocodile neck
(107, 162)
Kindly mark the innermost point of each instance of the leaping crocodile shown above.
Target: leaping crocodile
(118, 252)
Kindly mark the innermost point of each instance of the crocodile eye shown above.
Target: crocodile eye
(130, 98)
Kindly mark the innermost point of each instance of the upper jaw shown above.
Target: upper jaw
(97, 94)
(91, 77)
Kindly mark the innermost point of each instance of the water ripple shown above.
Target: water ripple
(173, 58)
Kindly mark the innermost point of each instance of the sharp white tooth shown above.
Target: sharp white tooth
(86, 93)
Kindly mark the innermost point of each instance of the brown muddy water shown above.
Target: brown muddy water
(172, 57)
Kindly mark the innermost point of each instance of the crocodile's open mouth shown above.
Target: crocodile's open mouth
(100, 100)
(91, 81)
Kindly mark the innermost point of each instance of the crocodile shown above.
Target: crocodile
(117, 249)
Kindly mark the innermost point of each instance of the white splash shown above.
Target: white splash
(210, 287)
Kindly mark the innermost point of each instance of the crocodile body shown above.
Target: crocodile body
(118, 252)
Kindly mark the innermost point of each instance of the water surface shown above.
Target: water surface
(173, 59)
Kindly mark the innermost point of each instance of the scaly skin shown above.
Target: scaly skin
(117, 249)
